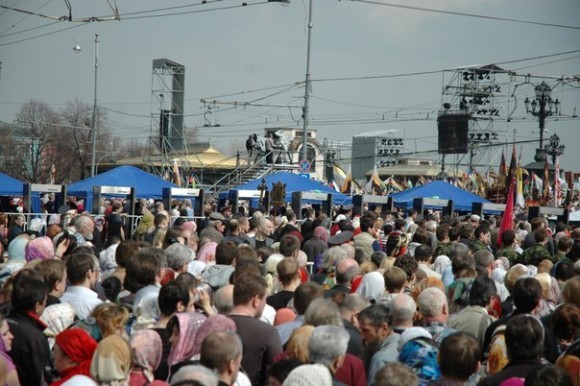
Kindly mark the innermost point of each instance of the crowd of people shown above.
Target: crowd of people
(246, 297)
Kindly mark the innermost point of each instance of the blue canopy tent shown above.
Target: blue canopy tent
(294, 183)
(462, 199)
(146, 185)
(10, 186)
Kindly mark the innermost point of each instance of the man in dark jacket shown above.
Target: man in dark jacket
(30, 351)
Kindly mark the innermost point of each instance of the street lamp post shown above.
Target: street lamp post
(554, 148)
(546, 104)
(307, 87)
(77, 48)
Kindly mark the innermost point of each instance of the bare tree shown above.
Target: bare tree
(37, 131)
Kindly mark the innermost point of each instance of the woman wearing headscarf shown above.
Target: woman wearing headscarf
(5, 347)
(16, 253)
(57, 317)
(146, 349)
(183, 328)
(40, 248)
(214, 323)
(316, 245)
(72, 354)
(372, 286)
(111, 363)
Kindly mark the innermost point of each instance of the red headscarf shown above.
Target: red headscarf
(79, 346)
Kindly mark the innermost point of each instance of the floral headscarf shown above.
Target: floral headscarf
(147, 349)
(189, 324)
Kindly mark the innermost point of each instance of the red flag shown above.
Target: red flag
(507, 221)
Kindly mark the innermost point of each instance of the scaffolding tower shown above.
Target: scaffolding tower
(166, 141)
(483, 94)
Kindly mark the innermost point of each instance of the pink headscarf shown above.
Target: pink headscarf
(189, 226)
(206, 252)
(215, 323)
(321, 233)
(189, 324)
(39, 248)
(147, 349)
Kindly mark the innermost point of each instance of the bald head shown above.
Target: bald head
(404, 309)
(346, 269)
(224, 299)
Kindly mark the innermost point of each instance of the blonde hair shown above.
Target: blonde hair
(110, 318)
(387, 263)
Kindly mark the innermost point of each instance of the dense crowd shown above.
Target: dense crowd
(245, 297)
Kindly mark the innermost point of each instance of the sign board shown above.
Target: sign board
(249, 193)
(45, 188)
(314, 196)
(115, 190)
(305, 166)
(494, 207)
(183, 192)
(435, 202)
(372, 199)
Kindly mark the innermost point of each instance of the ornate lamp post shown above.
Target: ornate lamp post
(545, 103)
(554, 148)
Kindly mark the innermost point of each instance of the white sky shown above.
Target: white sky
(263, 45)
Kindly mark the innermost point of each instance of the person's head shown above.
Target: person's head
(250, 291)
(288, 270)
(112, 361)
(432, 303)
(54, 275)
(423, 253)
(375, 323)
(73, 347)
(145, 268)
(367, 224)
(147, 350)
(309, 375)
(173, 298)
(85, 226)
(82, 269)
(289, 246)
(540, 235)
(483, 234)
(408, 264)
(29, 292)
(526, 293)
(222, 352)
(484, 260)
(224, 299)
(395, 374)
(178, 257)
(507, 238)
(395, 279)
(566, 322)
(111, 318)
(346, 269)
(226, 253)
(6, 335)
(461, 258)
(404, 309)
(327, 346)
(524, 338)
(549, 375)
(565, 244)
(161, 220)
(459, 355)
(323, 311)
(305, 294)
(571, 291)
(194, 375)
(125, 250)
(482, 291)
(264, 226)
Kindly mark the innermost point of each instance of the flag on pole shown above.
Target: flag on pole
(512, 171)
(347, 184)
(375, 185)
(176, 176)
(502, 173)
(557, 187)
(520, 201)
(546, 190)
(507, 221)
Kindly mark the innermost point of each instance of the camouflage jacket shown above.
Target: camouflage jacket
(510, 253)
(534, 255)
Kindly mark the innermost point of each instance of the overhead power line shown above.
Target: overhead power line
(455, 13)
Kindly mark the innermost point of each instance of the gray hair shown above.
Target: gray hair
(323, 311)
(332, 256)
(483, 258)
(404, 308)
(327, 343)
(354, 303)
(458, 249)
(431, 302)
(178, 255)
(224, 299)
(198, 373)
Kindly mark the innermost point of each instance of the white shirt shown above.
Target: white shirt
(83, 300)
